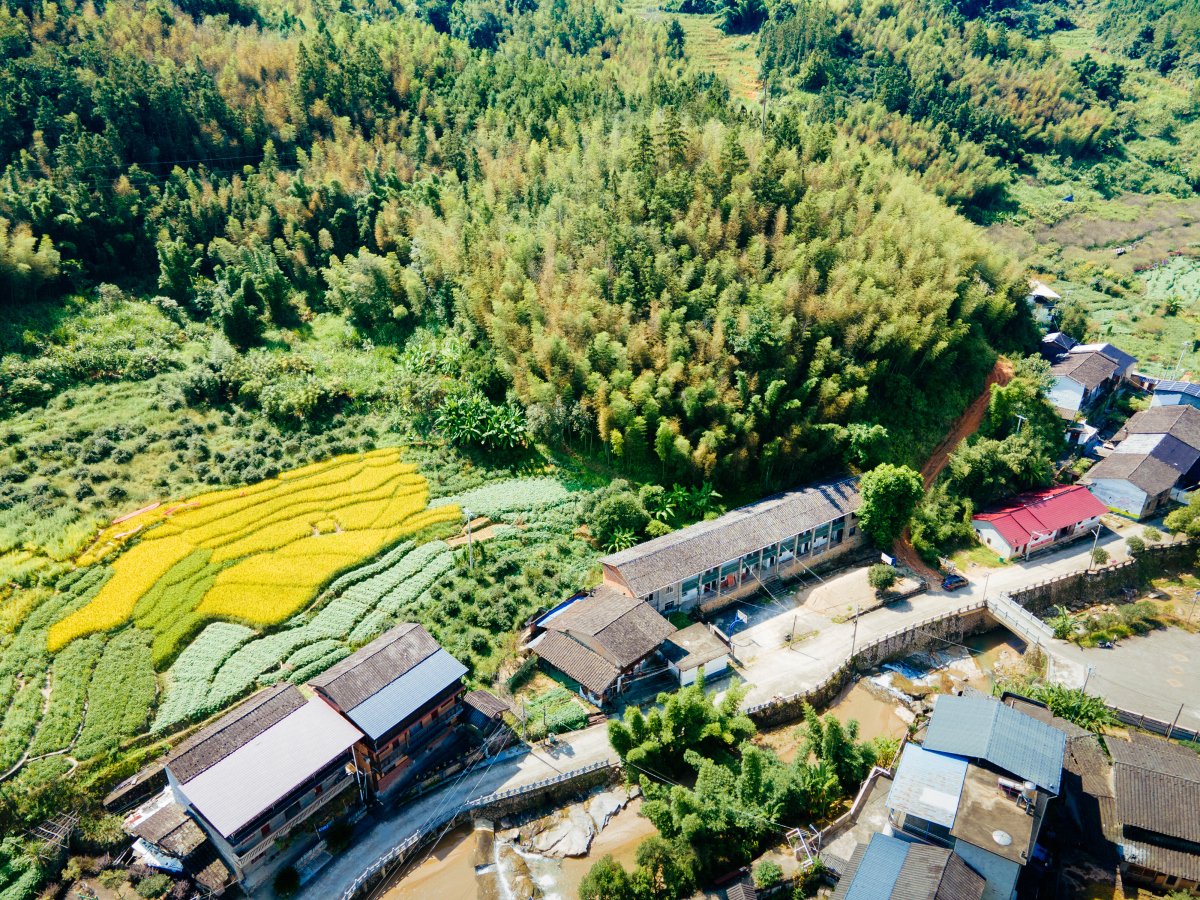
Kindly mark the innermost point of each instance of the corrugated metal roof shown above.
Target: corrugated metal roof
(1017, 743)
(242, 724)
(879, 868)
(928, 784)
(376, 665)
(386, 708)
(266, 769)
(673, 557)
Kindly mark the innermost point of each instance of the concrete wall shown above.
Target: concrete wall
(1173, 399)
(1119, 494)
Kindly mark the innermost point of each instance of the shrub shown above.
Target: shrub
(657, 528)
(767, 873)
(1136, 545)
(619, 513)
(112, 879)
(1100, 556)
(287, 882)
(154, 886)
(1151, 533)
(881, 577)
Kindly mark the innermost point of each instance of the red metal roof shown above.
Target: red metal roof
(1046, 510)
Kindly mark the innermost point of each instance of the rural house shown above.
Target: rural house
(601, 640)
(980, 786)
(1037, 519)
(718, 562)
(888, 868)
(1153, 818)
(1042, 302)
(257, 774)
(694, 648)
(169, 839)
(402, 692)
(1176, 393)
(1084, 373)
(1157, 451)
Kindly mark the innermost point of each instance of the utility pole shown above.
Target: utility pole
(1195, 596)
(1176, 722)
(1182, 350)
(854, 638)
(1020, 421)
(1086, 677)
(1092, 557)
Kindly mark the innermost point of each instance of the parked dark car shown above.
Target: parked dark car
(953, 582)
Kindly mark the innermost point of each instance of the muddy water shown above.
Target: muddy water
(989, 645)
(449, 872)
(876, 717)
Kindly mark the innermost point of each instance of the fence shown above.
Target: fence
(1018, 619)
(431, 825)
(1157, 726)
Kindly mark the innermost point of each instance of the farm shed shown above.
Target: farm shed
(402, 691)
(694, 647)
(716, 562)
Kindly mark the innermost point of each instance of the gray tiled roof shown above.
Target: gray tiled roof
(488, 704)
(570, 657)
(624, 629)
(172, 829)
(1088, 369)
(981, 729)
(375, 666)
(241, 725)
(1157, 787)
(1164, 447)
(1142, 470)
(888, 868)
(673, 557)
(1123, 359)
(1181, 422)
(693, 646)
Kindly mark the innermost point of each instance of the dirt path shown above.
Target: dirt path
(964, 426)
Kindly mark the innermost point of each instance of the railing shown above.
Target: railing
(1158, 726)
(866, 648)
(433, 824)
(1019, 619)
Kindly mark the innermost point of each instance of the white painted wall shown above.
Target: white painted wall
(1119, 494)
(1174, 400)
(991, 538)
(712, 669)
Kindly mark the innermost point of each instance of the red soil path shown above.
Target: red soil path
(964, 426)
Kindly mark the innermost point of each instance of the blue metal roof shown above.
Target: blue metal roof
(928, 784)
(879, 869)
(981, 728)
(389, 706)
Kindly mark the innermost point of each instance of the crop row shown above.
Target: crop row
(317, 666)
(514, 495)
(120, 696)
(191, 676)
(71, 676)
(288, 536)
(384, 563)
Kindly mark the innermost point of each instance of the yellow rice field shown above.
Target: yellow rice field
(284, 538)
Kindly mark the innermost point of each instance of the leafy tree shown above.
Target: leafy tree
(889, 496)
(837, 746)
(618, 514)
(1099, 556)
(239, 309)
(26, 263)
(767, 873)
(367, 288)
(676, 42)
(287, 882)
(665, 870)
(1073, 705)
(1073, 320)
(1136, 545)
(1186, 519)
(881, 577)
(606, 880)
(1152, 534)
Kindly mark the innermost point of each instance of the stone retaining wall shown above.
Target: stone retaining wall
(928, 634)
(1083, 588)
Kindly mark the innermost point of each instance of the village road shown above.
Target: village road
(394, 825)
(774, 669)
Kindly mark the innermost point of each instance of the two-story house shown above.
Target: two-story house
(402, 691)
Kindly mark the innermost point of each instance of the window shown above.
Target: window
(670, 590)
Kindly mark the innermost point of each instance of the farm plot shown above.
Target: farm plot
(121, 693)
(257, 555)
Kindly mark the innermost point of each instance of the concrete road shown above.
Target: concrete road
(393, 826)
(773, 669)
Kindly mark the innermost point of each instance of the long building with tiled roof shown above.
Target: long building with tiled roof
(728, 557)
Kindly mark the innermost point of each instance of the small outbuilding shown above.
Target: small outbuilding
(693, 648)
